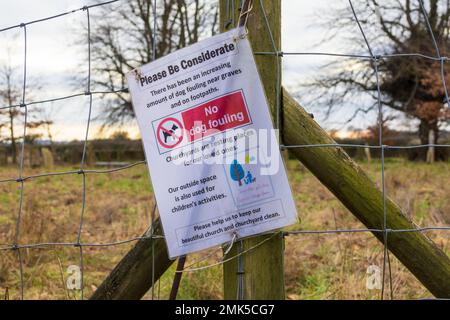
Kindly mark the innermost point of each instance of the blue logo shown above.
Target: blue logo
(237, 173)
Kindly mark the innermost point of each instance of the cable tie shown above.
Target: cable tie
(227, 251)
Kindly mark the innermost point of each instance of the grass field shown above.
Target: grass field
(119, 207)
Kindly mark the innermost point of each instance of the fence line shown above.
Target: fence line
(279, 54)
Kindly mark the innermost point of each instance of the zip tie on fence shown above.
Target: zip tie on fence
(230, 246)
(5, 247)
(246, 8)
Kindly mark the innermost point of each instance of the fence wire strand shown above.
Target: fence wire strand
(380, 142)
(21, 179)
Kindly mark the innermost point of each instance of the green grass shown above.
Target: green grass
(118, 206)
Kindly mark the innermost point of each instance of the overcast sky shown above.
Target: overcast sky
(53, 57)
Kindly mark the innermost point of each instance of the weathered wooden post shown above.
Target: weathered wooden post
(431, 151)
(47, 158)
(351, 185)
(367, 152)
(263, 267)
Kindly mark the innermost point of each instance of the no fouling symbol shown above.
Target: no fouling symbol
(169, 133)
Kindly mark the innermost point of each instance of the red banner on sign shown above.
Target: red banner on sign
(217, 115)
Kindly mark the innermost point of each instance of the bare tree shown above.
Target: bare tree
(10, 95)
(122, 39)
(410, 84)
(11, 118)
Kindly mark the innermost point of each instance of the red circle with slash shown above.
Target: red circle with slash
(166, 132)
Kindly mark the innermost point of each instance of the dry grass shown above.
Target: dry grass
(119, 205)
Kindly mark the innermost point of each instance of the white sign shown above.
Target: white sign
(211, 150)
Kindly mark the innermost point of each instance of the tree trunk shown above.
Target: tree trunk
(424, 131)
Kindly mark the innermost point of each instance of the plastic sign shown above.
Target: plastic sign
(211, 150)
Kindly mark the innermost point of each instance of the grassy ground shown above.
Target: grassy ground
(119, 206)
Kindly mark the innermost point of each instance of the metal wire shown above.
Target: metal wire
(21, 179)
(21, 162)
(154, 210)
(58, 15)
(380, 142)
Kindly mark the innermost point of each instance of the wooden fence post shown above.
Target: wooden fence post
(263, 267)
(362, 197)
(431, 151)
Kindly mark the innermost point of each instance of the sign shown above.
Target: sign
(211, 150)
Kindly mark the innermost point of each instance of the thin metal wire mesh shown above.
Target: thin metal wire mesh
(21, 179)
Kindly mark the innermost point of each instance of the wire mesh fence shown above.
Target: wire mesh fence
(21, 179)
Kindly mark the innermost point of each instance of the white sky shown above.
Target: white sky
(54, 58)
